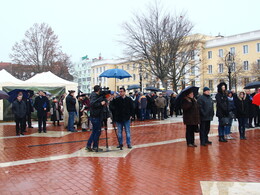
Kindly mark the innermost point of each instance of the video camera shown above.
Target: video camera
(105, 91)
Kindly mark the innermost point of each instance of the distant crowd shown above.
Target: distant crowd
(91, 113)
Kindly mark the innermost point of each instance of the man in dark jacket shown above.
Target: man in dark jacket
(97, 103)
(222, 109)
(252, 107)
(123, 113)
(29, 106)
(206, 115)
(42, 105)
(71, 107)
(19, 110)
(149, 105)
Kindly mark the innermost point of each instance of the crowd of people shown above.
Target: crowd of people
(91, 113)
(199, 112)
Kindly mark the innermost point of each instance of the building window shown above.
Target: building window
(210, 69)
(93, 80)
(192, 83)
(233, 67)
(220, 53)
(245, 49)
(209, 54)
(128, 66)
(220, 68)
(245, 65)
(134, 77)
(258, 64)
(192, 55)
(211, 84)
(258, 47)
(97, 70)
(233, 50)
(246, 81)
(133, 66)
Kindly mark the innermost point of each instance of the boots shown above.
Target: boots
(222, 139)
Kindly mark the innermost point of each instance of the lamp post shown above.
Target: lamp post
(229, 59)
(141, 77)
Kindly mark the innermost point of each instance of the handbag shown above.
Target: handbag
(224, 121)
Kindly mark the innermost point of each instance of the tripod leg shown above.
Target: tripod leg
(106, 139)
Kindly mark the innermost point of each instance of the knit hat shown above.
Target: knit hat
(206, 89)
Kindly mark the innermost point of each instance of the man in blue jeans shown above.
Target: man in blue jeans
(97, 103)
(71, 107)
(124, 111)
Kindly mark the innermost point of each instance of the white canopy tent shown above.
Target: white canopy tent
(48, 79)
(45, 79)
(6, 79)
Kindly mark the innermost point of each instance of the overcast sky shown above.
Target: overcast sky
(93, 27)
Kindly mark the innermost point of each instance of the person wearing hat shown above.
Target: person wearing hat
(71, 107)
(206, 115)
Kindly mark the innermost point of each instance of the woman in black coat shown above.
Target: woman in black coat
(191, 117)
(242, 113)
(222, 109)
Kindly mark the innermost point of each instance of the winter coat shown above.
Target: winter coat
(252, 107)
(19, 109)
(222, 102)
(150, 101)
(55, 111)
(29, 106)
(122, 109)
(172, 99)
(71, 103)
(142, 102)
(96, 108)
(160, 102)
(40, 103)
(242, 107)
(191, 114)
(206, 107)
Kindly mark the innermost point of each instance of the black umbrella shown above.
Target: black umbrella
(14, 93)
(152, 89)
(3, 95)
(252, 85)
(183, 93)
(133, 87)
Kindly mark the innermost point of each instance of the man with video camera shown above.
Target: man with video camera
(97, 103)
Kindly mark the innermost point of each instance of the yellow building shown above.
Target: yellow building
(245, 68)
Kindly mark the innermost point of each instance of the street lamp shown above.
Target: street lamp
(229, 59)
(141, 76)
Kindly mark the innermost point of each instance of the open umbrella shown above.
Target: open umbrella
(152, 89)
(14, 93)
(169, 92)
(3, 95)
(252, 85)
(256, 99)
(115, 73)
(183, 93)
(133, 87)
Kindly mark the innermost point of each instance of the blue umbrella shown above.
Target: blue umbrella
(115, 73)
(3, 95)
(133, 87)
(183, 93)
(152, 89)
(14, 93)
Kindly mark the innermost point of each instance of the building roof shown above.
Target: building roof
(109, 62)
(233, 39)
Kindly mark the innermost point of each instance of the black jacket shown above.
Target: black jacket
(40, 103)
(19, 109)
(222, 102)
(96, 108)
(123, 109)
(206, 108)
(71, 103)
(242, 107)
(252, 107)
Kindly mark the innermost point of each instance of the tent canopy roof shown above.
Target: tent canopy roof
(6, 77)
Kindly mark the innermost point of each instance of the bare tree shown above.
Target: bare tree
(255, 70)
(40, 48)
(156, 39)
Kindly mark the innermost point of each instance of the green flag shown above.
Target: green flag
(85, 57)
